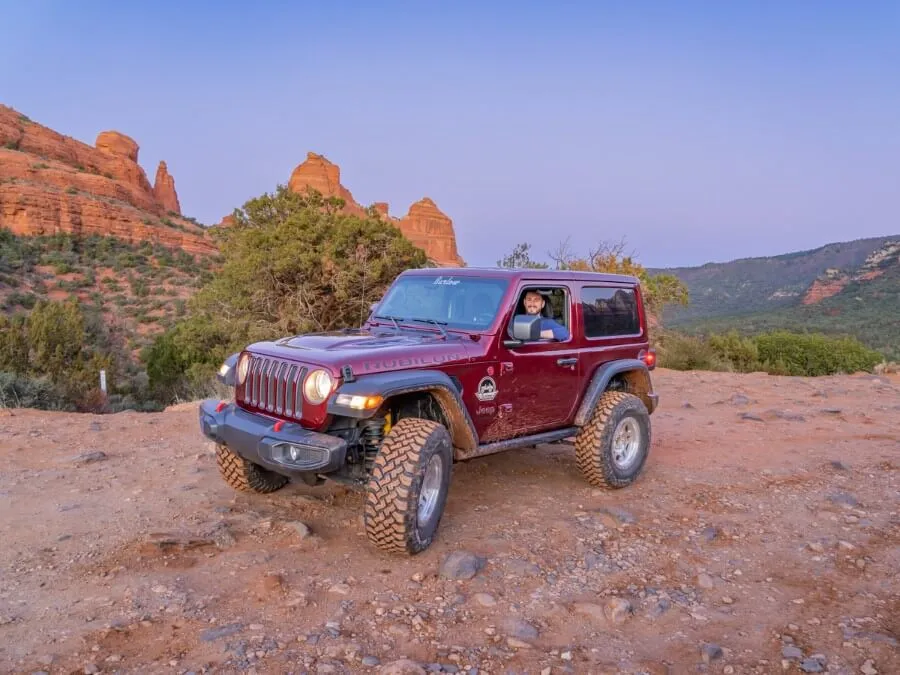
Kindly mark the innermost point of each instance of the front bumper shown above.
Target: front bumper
(292, 451)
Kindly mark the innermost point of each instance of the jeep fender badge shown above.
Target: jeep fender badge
(487, 389)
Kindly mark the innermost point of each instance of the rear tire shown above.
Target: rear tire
(245, 476)
(408, 486)
(611, 449)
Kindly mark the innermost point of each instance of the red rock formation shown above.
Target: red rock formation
(319, 174)
(824, 288)
(164, 190)
(429, 228)
(53, 183)
(426, 226)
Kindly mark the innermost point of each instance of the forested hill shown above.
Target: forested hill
(847, 288)
(750, 285)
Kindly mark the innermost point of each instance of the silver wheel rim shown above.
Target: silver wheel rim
(626, 443)
(431, 488)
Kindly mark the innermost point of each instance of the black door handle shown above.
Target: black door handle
(566, 362)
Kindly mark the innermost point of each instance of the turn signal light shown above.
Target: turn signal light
(359, 402)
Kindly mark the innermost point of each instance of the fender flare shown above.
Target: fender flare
(444, 389)
(601, 379)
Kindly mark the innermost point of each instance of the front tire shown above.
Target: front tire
(408, 486)
(246, 476)
(611, 449)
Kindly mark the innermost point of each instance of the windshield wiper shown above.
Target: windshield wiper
(439, 324)
(395, 319)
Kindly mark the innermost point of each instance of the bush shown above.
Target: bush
(685, 352)
(815, 354)
(18, 391)
(777, 353)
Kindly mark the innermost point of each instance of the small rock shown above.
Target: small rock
(751, 417)
(838, 465)
(371, 661)
(402, 667)
(461, 565)
(846, 545)
(728, 670)
(211, 634)
(868, 668)
(710, 652)
(341, 589)
(843, 499)
(484, 599)
(617, 610)
(792, 652)
(710, 533)
(516, 643)
(520, 629)
(816, 546)
(705, 581)
(90, 458)
(302, 529)
(811, 666)
(91, 669)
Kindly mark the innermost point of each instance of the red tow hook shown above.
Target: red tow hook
(278, 425)
(221, 406)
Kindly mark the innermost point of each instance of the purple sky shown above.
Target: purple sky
(698, 131)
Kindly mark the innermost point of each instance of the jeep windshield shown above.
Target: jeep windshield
(442, 301)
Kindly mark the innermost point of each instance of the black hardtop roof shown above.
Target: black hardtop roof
(524, 273)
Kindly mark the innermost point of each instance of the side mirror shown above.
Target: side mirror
(526, 328)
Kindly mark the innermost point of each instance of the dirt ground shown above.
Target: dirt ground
(764, 537)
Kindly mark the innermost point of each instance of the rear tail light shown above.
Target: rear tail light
(649, 358)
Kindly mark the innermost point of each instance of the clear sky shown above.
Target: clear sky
(697, 131)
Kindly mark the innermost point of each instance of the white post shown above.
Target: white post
(103, 381)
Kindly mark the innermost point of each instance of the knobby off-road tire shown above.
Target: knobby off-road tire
(410, 457)
(246, 476)
(602, 455)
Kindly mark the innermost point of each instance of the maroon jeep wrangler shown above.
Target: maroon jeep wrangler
(451, 364)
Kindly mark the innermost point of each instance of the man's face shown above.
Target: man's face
(534, 303)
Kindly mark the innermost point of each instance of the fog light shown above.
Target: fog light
(358, 402)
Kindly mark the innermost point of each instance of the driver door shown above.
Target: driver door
(540, 382)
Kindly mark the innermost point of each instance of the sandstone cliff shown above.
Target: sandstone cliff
(833, 281)
(425, 225)
(53, 183)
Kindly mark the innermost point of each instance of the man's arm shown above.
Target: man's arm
(553, 330)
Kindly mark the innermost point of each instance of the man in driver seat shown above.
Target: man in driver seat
(534, 305)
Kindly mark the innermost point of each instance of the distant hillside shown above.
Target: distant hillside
(138, 290)
(752, 284)
(848, 288)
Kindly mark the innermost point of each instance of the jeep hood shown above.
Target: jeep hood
(368, 351)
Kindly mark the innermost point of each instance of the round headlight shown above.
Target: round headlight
(317, 386)
(243, 367)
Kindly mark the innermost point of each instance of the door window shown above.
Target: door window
(552, 303)
(608, 311)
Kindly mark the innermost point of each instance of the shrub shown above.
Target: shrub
(815, 354)
(685, 352)
(777, 353)
(18, 391)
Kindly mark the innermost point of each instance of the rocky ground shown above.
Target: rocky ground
(764, 537)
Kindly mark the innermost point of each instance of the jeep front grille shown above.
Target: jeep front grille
(274, 386)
